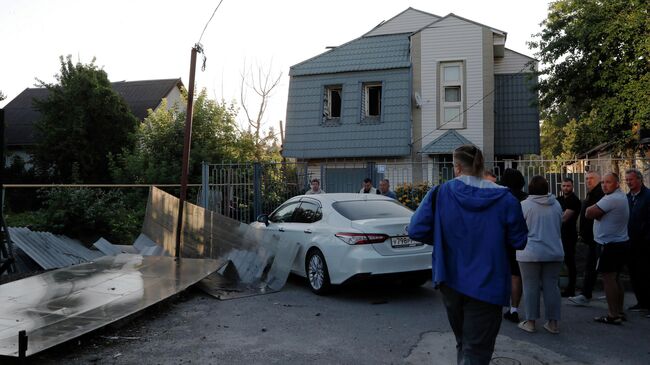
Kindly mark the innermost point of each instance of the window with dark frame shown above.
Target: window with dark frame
(332, 102)
(372, 100)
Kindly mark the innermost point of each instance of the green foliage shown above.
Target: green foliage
(215, 139)
(83, 122)
(411, 195)
(88, 214)
(597, 61)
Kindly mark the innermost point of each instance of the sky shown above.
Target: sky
(152, 39)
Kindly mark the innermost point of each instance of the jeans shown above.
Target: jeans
(544, 276)
(475, 324)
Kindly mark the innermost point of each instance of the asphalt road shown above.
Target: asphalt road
(375, 323)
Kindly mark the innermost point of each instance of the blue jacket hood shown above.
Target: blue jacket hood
(476, 198)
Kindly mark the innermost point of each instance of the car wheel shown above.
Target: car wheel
(317, 275)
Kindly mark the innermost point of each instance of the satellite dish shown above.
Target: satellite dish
(418, 99)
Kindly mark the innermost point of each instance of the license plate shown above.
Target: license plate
(403, 241)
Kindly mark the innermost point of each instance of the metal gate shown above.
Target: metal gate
(243, 191)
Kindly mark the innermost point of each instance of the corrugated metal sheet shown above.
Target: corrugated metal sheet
(147, 247)
(106, 247)
(51, 251)
(446, 143)
(516, 115)
(362, 54)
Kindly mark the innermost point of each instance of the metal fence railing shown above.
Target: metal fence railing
(244, 190)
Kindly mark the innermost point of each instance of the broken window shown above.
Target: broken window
(452, 98)
(332, 101)
(371, 100)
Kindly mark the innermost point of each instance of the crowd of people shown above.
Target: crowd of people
(493, 242)
(366, 188)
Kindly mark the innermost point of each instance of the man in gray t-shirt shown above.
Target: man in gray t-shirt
(611, 214)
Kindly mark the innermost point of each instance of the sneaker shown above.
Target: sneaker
(638, 308)
(512, 317)
(580, 300)
(568, 293)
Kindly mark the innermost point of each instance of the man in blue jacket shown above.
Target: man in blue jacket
(470, 222)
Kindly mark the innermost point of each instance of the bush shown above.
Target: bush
(412, 194)
(88, 214)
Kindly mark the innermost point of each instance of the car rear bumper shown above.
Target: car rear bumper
(366, 261)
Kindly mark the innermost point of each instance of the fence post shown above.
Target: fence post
(205, 184)
(322, 175)
(372, 173)
(257, 189)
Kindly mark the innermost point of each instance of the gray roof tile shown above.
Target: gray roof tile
(362, 54)
(446, 143)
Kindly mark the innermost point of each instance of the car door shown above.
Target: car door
(302, 230)
(281, 220)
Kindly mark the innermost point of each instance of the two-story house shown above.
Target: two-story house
(411, 90)
(140, 96)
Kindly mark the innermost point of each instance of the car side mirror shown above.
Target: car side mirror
(263, 218)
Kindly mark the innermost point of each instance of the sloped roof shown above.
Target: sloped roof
(415, 16)
(452, 15)
(140, 96)
(146, 94)
(362, 54)
(446, 143)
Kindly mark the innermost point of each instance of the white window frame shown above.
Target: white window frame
(366, 99)
(327, 108)
(460, 121)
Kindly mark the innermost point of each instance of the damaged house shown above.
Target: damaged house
(409, 92)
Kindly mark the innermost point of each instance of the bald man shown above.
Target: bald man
(611, 214)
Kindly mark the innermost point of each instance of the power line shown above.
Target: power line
(209, 20)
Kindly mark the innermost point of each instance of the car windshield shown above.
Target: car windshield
(371, 209)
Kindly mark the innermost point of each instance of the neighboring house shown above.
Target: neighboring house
(140, 96)
(413, 88)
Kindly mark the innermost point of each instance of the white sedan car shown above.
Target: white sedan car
(348, 236)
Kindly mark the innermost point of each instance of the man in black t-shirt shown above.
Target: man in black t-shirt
(595, 193)
(570, 211)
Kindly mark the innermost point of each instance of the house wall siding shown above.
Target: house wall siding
(409, 21)
(512, 62)
(452, 39)
(488, 101)
(516, 115)
(307, 137)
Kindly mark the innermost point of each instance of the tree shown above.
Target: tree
(596, 88)
(82, 121)
(214, 139)
(262, 84)
(2, 96)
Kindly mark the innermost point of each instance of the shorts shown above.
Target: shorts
(512, 260)
(613, 257)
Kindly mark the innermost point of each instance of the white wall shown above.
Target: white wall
(452, 39)
(174, 97)
(511, 63)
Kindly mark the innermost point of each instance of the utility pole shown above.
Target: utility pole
(186, 148)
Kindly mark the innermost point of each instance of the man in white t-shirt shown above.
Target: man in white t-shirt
(611, 214)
